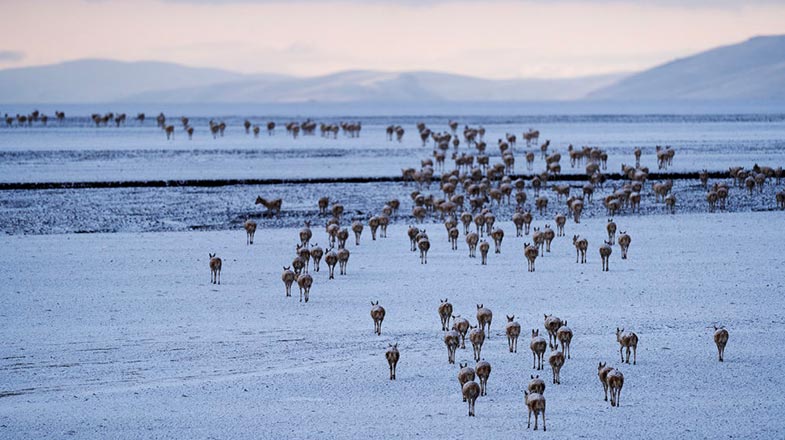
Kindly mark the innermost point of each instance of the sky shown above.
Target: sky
(487, 38)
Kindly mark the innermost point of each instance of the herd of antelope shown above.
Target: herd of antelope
(486, 188)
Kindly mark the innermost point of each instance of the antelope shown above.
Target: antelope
(305, 255)
(513, 330)
(611, 228)
(392, 356)
(670, 203)
(288, 279)
(538, 346)
(465, 374)
(316, 255)
(445, 311)
(412, 232)
(451, 340)
(377, 314)
(535, 402)
(342, 235)
(461, 325)
(721, 339)
(484, 318)
(298, 264)
(531, 253)
(548, 236)
(169, 129)
(556, 359)
(306, 234)
(605, 255)
(424, 245)
(343, 260)
(539, 240)
(541, 203)
(615, 381)
(581, 245)
(357, 228)
(552, 325)
(477, 338)
(561, 219)
(624, 244)
(453, 234)
(527, 221)
(498, 236)
(602, 373)
(470, 392)
(273, 206)
(483, 369)
(517, 219)
(536, 385)
(331, 259)
(484, 248)
(250, 230)
(304, 281)
(215, 269)
(471, 239)
(564, 335)
(626, 341)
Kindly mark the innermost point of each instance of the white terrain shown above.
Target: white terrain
(108, 334)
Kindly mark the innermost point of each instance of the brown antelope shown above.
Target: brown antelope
(273, 206)
(536, 385)
(323, 203)
(306, 234)
(445, 311)
(539, 240)
(305, 255)
(316, 255)
(517, 219)
(611, 228)
(721, 339)
(513, 330)
(412, 232)
(298, 264)
(581, 245)
(531, 253)
(342, 235)
(498, 236)
(461, 325)
(561, 219)
(615, 381)
(424, 245)
(465, 374)
(466, 220)
(454, 234)
(343, 260)
(602, 372)
(484, 248)
(169, 129)
(552, 325)
(357, 228)
(250, 230)
(483, 369)
(538, 345)
(304, 281)
(541, 203)
(288, 279)
(331, 258)
(556, 359)
(471, 390)
(215, 269)
(377, 314)
(548, 236)
(564, 335)
(484, 318)
(627, 340)
(535, 402)
(471, 239)
(392, 354)
(527, 221)
(477, 338)
(670, 203)
(624, 244)
(605, 255)
(451, 339)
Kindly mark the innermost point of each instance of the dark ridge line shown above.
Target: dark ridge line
(210, 183)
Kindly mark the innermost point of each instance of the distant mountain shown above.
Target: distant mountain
(752, 70)
(101, 80)
(95, 81)
(351, 86)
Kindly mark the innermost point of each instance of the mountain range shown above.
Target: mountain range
(751, 70)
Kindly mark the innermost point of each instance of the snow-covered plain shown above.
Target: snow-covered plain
(121, 335)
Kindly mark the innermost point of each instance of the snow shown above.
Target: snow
(121, 335)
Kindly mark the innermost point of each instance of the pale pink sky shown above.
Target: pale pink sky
(491, 38)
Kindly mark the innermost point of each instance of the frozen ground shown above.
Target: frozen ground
(120, 335)
(78, 151)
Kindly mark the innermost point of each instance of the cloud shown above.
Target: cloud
(11, 56)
